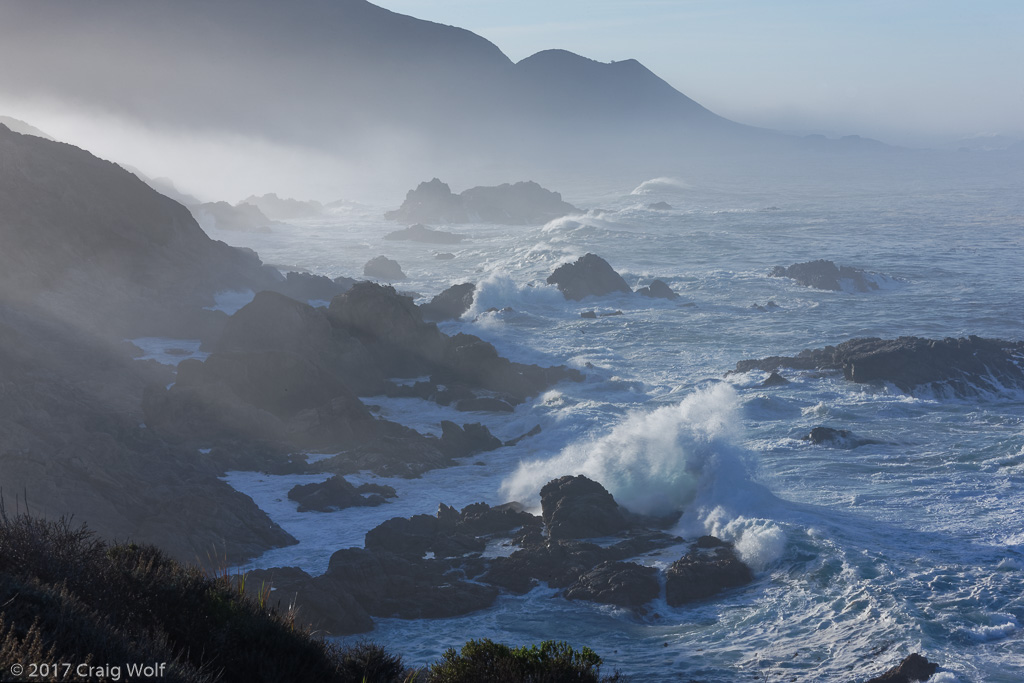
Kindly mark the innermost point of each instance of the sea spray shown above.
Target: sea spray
(674, 459)
(499, 290)
(654, 462)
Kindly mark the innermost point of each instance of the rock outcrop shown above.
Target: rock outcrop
(430, 566)
(966, 366)
(577, 507)
(337, 494)
(449, 304)
(658, 290)
(823, 274)
(913, 669)
(519, 204)
(383, 268)
(589, 275)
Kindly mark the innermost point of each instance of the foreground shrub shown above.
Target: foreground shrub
(484, 661)
(66, 596)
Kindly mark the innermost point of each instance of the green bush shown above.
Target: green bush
(484, 661)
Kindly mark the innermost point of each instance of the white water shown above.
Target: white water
(913, 543)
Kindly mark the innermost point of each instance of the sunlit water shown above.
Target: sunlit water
(914, 543)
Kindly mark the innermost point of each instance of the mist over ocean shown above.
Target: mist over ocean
(909, 537)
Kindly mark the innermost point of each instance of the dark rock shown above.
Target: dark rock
(610, 314)
(658, 290)
(383, 268)
(913, 669)
(705, 542)
(589, 315)
(702, 573)
(775, 380)
(820, 435)
(625, 584)
(391, 328)
(518, 204)
(421, 233)
(444, 256)
(337, 494)
(589, 275)
(577, 507)
(533, 432)
(826, 275)
(480, 519)
(841, 438)
(488, 405)
(560, 563)
(966, 366)
(388, 585)
(450, 304)
(412, 537)
(461, 442)
(660, 206)
(557, 564)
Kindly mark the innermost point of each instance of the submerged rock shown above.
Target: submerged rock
(589, 275)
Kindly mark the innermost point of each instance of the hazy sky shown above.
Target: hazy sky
(910, 71)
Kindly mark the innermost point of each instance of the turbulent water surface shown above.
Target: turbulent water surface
(914, 542)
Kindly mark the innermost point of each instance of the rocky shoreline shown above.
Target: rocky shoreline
(428, 567)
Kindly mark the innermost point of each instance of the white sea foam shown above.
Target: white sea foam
(499, 291)
(653, 462)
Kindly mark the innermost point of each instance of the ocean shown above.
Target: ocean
(913, 541)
